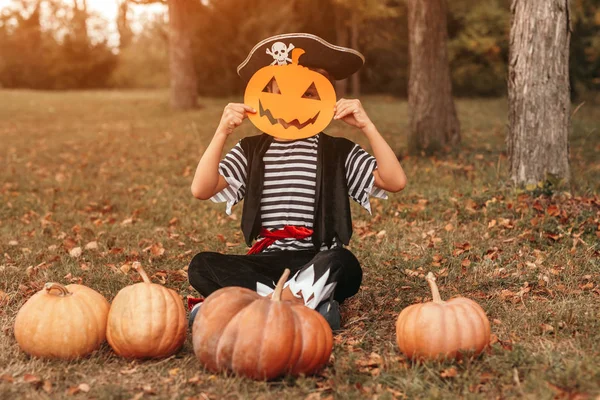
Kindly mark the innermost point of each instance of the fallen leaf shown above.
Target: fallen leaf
(127, 221)
(47, 386)
(493, 339)
(552, 236)
(125, 268)
(29, 378)
(84, 387)
(173, 371)
(72, 391)
(553, 210)
(7, 378)
(148, 389)
(3, 297)
(449, 373)
(128, 371)
(91, 246)
(156, 250)
(75, 252)
(374, 360)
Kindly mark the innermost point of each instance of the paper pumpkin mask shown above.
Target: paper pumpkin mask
(289, 114)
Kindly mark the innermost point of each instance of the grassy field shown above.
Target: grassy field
(114, 169)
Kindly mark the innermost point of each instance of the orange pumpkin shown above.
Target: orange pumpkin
(65, 322)
(238, 330)
(307, 116)
(146, 320)
(442, 329)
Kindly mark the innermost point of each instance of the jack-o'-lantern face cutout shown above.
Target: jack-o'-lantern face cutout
(292, 101)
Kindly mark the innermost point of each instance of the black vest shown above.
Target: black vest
(332, 206)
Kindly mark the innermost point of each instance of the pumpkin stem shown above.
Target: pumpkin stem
(279, 288)
(296, 53)
(63, 291)
(138, 267)
(434, 288)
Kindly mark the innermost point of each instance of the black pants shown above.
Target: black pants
(334, 273)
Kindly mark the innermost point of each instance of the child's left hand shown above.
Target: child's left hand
(352, 112)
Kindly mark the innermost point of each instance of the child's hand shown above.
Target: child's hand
(352, 113)
(233, 116)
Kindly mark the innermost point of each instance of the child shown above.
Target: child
(296, 191)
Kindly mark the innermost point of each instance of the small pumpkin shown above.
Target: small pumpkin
(146, 320)
(302, 117)
(64, 322)
(442, 329)
(238, 330)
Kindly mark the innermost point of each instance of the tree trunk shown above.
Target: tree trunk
(433, 121)
(80, 17)
(538, 91)
(342, 39)
(184, 90)
(354, 45)
(123, 25)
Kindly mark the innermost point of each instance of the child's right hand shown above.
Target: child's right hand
(233, 116)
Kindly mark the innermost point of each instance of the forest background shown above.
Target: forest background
(61, 45)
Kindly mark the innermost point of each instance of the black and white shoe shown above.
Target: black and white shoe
(330, 310)
(193, 313)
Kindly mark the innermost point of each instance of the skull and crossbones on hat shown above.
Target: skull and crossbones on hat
(280, 53)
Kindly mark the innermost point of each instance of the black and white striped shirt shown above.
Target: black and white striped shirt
(289, 185)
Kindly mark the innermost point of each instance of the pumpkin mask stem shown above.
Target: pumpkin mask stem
(138, 267)
(279, 288)
(434, 288)
(296, 53)
(53, 285)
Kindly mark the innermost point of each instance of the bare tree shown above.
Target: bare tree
(342, 39)
(350, 14)
(184, 87)
(123, 24)
(538, 91)
(433, 121)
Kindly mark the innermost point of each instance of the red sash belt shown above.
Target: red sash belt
(270, 237)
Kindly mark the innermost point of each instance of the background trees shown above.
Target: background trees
(223, 31)
(67, 50)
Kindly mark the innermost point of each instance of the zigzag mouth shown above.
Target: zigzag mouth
(267, 113)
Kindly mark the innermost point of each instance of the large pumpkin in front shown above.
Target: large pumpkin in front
(65, 322)
(260, 338)
(442, 329)
(146, 320)
(287, 115)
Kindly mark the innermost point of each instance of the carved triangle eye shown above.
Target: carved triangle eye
(272, 87)
(311, 93)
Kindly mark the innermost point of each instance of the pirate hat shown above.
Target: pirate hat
(339, 62)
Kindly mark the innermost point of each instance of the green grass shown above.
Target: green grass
(115, 168)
